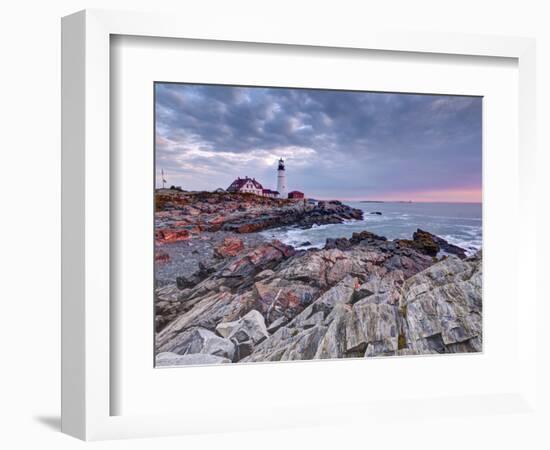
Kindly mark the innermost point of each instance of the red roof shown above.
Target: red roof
(240, 182)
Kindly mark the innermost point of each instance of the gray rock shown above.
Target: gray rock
(443, 307)
(344, 336)
(207, 312)
(224, 329)
(289, 344)
(343, 292)
(276, 324)
(307, 332)
(380, 324)
(168, 359)
(251, 327)
(199, 340)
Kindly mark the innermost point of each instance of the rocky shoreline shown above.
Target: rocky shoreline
(225, 294)
(183, 215)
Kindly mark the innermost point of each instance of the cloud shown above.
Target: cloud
(337, 144)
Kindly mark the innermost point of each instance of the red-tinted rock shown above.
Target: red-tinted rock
(229, 247)
(265, 256)
(162, 257)
(166, 236)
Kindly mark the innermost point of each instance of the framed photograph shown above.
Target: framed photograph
(243, 209)
(323, 251)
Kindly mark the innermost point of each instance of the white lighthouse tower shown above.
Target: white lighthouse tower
(281, 180)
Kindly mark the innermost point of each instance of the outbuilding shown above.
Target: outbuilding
(295, 195)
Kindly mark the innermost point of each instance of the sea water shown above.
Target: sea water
(458, 223)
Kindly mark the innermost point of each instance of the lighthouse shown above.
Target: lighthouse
(281, 179)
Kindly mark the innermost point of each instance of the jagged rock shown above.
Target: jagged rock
(264, 274)
(436, 311)
(288, 344)
(344, 336)
(207, 313)
(341, 293)
(250, 327)
(366, 236)
(380, 325)
(276, 324)
(443, 306)
(168, 293)
(365, 297)
(430, 244)
(313, 320)
(187, 282)
(339, 243)
(442, 243)
(224, 329)
(244, 333)
(199, 340)
(168, 359)
(277, 297)
(265, 256)
(243, 349)
(229, 247)
(165, 236)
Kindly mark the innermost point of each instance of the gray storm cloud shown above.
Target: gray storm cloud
(338, 144)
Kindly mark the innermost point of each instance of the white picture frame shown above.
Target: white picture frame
(87, 320)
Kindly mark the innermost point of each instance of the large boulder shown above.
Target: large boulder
(199, 340)
(344, 336)
(249, 327)
(425, 242)
(431, 245)
(265, 256)
(444, 246)
(380, 323)
(244, 333)
(277, 298)
(443, 307)
(288, 344)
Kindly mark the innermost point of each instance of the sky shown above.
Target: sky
(344, 145)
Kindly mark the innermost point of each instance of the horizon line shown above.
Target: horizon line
(401, 201)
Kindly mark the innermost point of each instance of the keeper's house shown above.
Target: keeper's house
(248, 185)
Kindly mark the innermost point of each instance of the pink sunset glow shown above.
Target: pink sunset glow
(461, 195)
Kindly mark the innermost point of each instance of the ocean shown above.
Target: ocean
(458, 223)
